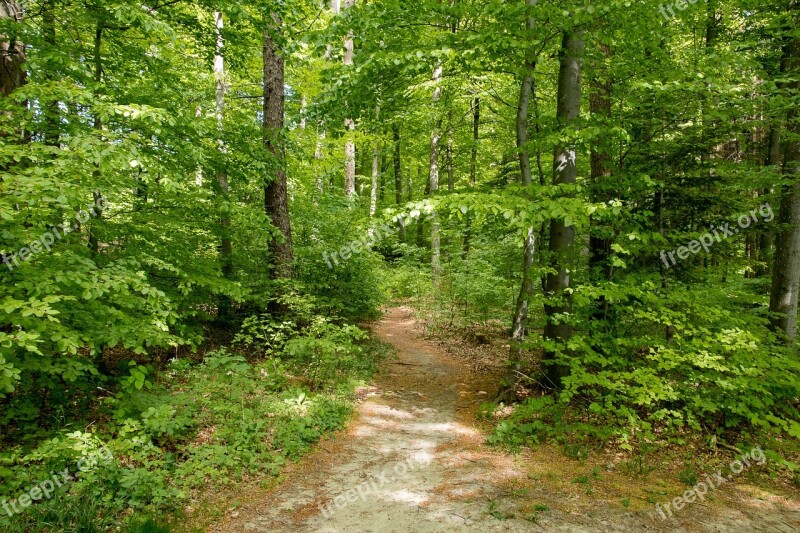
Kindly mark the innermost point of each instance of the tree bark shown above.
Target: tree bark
(12, 74)
(319, 156)
(94, 245)
(473, 169)
(12, 52)
(600, 244)
(226, 242)
(376, 152)
(473, 157)
(398, 179)
(520, 318)
(766, 237)
(349, 159)
(276, 198)
(349, 123)
(433, 177)
(51, 119)
(558, 300)
(786, 269)
(382, 177)
(421, 217)
(448, 158)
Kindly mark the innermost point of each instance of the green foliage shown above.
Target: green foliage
(196, 424)
(294, 436)
(325, 351)
(688, 476)
(70, 514)
(119, 108)
(350, 288)
(542, 418)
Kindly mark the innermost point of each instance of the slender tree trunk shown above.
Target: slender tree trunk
(51, 128)
(398, 178)
(319, 156)
(376, 152)
(473, 169)
(382, 177)
(198, 173)
(558, 299)
(520, 318)
(766, 237)
(473, 157)
(421, 219)
(410, 185)
(786, 269)
(12, 77)
(12, 52)
(226, 243)
(276, 197)
(433, 177)
(599, 243)
(373, 196)
(349, 123)
(94, 245)
(349, 159)
(449, 153)
(658, 210)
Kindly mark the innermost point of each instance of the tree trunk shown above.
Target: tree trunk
(349, 159)
(12, 52)
(226, 243)
(473, 169)
(12, 75)
(398, 179)
(376, 152)
(350, 125)
(786, 269)
(449, 154)
(51, 119)
(421, 219)
(382, 178)
(558, 300)
(599, 243)
(433, 177)
(520, 318)
(473, 157)
(410, 185)
(94, 245)
(766, 237)
(276, 198)
(319, 156)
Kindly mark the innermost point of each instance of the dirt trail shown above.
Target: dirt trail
(413, 461)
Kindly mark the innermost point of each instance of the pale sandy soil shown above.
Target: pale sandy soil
(421, 465)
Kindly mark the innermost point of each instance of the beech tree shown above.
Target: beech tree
(12, 75)
(786, 270)
(642, 286)
(562, 232)
(276, 194)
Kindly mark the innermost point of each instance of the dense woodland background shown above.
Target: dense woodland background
(265, 176)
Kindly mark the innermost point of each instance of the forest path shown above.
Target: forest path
(414, 461)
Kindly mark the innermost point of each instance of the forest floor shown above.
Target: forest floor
(415, 460)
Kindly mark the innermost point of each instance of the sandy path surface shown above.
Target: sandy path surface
(413, 461)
